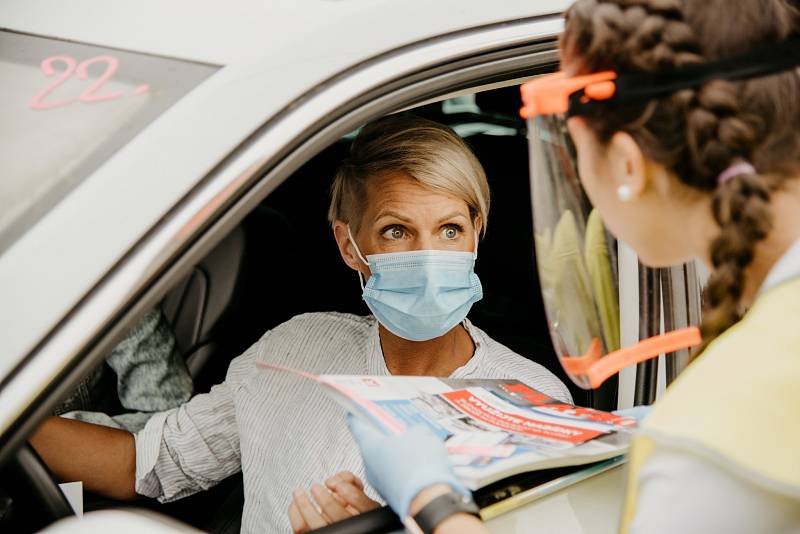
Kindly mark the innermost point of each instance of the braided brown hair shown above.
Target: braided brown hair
(698, 133)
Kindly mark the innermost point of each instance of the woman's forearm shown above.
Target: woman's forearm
(103, 458)
(461, 524)
(455, 524)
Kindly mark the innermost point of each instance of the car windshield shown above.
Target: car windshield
(65, 109)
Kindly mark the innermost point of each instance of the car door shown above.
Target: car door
(49, 366)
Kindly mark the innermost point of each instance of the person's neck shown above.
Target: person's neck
(436, 357)
(784, 206)
(785, 209)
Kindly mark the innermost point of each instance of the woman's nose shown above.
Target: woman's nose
(423, 242)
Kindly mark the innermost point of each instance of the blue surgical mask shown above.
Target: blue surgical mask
(420, 294)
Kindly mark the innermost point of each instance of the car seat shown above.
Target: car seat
(325, 283)
(195, 305)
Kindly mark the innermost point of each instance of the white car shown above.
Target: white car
(179, 154)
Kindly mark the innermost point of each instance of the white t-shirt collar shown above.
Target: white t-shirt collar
(376, 365)
(786, 268)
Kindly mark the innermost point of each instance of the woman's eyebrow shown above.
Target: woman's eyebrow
(453, 215)
(394, 214)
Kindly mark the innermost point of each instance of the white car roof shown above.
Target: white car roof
(230, 32)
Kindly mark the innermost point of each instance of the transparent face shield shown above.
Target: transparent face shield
(576, 255)
(576, 258)
(577, 262)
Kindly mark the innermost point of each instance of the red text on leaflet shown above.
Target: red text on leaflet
(473, 406)
(587, 414)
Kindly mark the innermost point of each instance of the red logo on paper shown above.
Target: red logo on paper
(478, 409)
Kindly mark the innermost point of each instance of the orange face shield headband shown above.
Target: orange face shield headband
(557, 93)
(550, 94)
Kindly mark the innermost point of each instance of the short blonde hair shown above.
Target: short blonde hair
(429, 152)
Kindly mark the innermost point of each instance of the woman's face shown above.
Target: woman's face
(402, 215)
(664, 221)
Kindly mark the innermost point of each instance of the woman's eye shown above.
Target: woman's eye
(450, 232)
(395, 233)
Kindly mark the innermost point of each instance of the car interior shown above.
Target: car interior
(281, 260)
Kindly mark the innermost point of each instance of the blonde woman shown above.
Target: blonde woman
(408, 207)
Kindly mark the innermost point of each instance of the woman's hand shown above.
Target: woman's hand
(342, 497)
(349, 489)
(401, 466)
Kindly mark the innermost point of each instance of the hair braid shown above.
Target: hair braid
(741, 208)
(699, 132)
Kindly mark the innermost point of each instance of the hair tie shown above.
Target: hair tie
(737, 169)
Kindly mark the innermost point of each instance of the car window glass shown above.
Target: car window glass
(65, 108)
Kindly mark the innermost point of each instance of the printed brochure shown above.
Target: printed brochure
(492, 428)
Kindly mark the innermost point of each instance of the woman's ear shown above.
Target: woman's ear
(628, 166)
(346, 248)
(478, 225)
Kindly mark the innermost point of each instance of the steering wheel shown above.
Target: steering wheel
(35, 491)
(378, 521)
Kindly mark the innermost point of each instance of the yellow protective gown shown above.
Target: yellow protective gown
(738, 405)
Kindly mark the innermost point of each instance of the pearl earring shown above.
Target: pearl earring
(624, 193)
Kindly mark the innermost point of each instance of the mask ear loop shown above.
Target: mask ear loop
(475, 254)
(360, 256)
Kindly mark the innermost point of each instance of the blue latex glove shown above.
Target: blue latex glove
(637, 412)
(400, 466)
